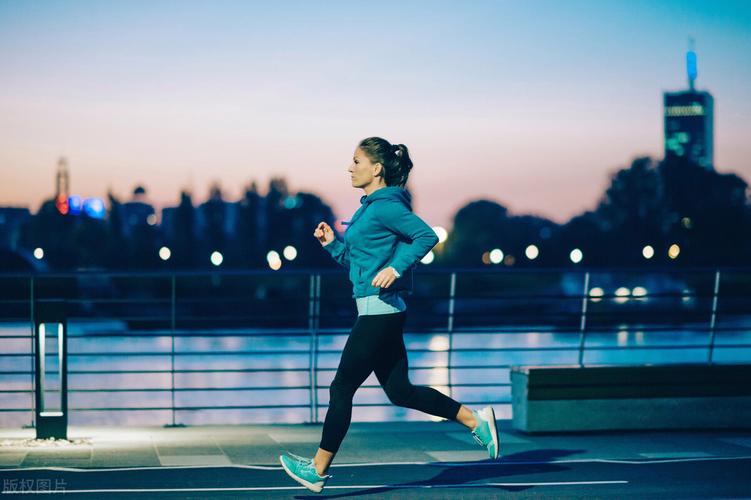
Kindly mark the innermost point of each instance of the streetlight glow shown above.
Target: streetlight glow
(532, 252)
(673, 251)
(290, 252)
(441, 233)
(576, 255)
(496, 256)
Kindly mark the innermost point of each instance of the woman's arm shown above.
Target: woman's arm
(402, 221)
(338, 251)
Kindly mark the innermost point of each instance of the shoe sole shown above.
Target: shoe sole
(312, 487)
(494, 433)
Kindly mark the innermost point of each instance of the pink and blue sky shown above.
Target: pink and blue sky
(531, 104)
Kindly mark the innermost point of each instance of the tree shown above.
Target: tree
(631, 212)
(709, 214)
(477, 228)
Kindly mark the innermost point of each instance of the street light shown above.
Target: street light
(576, 255)
(274, 260)
(532, 252)
(496, 256)
(51, 400)
(674, 250)
(429, 257)
(441, 233)
(289, 252)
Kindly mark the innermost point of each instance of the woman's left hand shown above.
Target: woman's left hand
(384, 278)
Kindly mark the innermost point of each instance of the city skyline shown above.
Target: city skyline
(484, 95)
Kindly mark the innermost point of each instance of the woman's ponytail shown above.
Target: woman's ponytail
(394, 158)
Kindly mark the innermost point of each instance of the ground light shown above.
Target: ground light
(640, 292)
(596, 294)
(621, 295)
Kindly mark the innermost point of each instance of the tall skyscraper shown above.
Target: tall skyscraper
(689, 120)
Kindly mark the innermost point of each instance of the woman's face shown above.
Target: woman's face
(364, 173)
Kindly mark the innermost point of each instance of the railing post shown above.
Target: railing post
(33, 349)
(172, 355)
(450, 328)
(315, 345)
(583, 319)
(713, 318)
(313, 313)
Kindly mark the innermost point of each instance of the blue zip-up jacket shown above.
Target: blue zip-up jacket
(383, 232)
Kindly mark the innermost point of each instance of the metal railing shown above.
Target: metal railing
(138, 337)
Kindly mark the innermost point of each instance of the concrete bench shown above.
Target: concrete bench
(594, 398)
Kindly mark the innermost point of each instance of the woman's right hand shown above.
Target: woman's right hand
(324, 233)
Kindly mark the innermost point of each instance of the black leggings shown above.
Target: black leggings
(376, 343)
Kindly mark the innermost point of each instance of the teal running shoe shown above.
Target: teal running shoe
(486, 432)
(303, 471)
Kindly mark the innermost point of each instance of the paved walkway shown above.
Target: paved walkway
(394, 460)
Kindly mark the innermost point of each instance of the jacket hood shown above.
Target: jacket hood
(389, 193)
(395, 193)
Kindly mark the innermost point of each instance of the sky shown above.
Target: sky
(530, 104)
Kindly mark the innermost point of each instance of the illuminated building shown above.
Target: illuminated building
(689, 120)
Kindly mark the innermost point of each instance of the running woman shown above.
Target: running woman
(383, 241)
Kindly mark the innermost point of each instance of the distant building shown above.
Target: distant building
(689, 121)
(12, 220)
(137, 212)
(62, 186)
(169, 218)
(70, 204)
(218, 217)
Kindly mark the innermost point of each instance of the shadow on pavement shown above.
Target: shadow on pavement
(486, 470)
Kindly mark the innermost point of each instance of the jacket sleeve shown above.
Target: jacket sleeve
(338, 251)
(402, 221)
